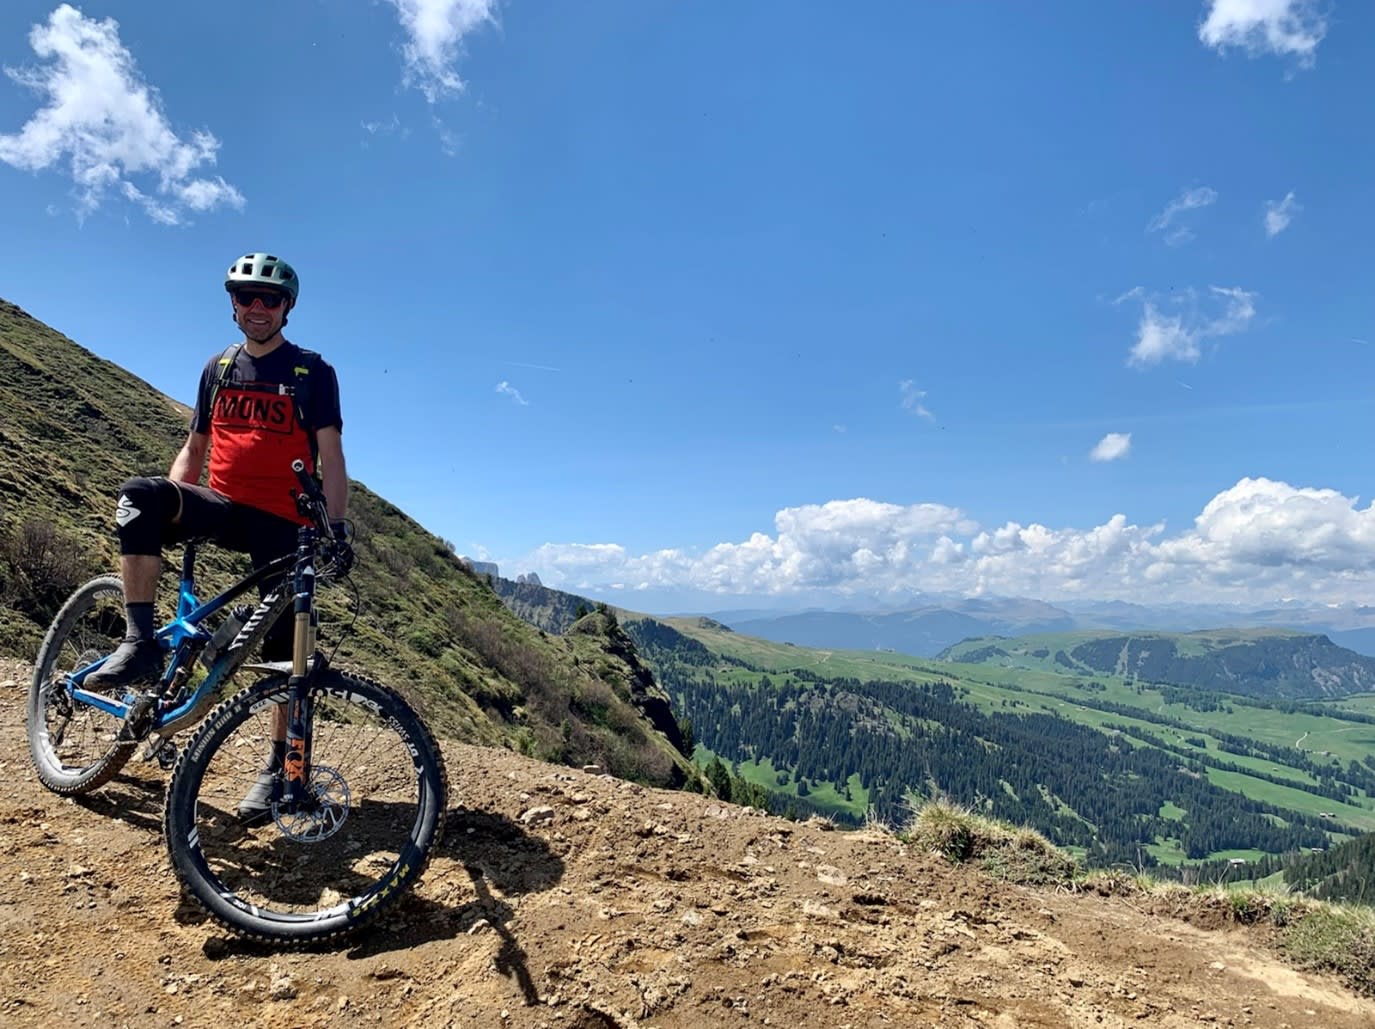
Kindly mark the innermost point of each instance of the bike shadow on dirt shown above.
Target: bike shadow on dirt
(483, 859)
(130, 798)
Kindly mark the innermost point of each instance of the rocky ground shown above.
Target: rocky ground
(573, 900)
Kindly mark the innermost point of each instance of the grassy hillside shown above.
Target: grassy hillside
(1267, 663)
(1345, 873)
(1139, 773)
(75, 426)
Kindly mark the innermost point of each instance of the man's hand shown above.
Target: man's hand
(343, 549)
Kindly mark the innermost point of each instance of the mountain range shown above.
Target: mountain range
(930, 627)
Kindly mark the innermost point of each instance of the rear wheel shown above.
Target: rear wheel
(377, 793)
(76, 747)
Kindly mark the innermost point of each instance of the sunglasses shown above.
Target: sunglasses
(271, 300)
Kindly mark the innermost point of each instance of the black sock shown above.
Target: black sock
(140, 617)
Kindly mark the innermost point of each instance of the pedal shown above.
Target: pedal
(162, 748)
(167, 755)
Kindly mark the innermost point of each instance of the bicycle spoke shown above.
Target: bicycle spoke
(362, 834)
(75, 746)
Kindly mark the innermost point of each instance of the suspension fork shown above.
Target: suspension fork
(296, 760)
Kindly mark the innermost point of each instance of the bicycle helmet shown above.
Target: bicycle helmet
(263, 270)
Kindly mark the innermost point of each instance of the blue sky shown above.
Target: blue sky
(716, 301)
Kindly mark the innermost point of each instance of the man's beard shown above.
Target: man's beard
(260, 335)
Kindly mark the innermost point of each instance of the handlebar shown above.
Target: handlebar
(311, 501)
(332, 537)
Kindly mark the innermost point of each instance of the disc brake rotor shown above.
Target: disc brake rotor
(320, 817)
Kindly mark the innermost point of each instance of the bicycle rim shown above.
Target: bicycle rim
(378, 788)
(75, 747)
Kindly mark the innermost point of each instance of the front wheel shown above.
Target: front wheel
(76, 747)
(378, 791)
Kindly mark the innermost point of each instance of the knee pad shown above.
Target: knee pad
(143, 514)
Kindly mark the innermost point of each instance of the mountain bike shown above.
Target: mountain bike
(357, 793)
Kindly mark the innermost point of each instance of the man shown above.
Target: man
(261, 404)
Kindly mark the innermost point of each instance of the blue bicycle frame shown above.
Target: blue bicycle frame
(183, 634)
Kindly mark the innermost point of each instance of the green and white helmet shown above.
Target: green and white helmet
(263, 270)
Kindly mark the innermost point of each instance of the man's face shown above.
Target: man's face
(259, 311)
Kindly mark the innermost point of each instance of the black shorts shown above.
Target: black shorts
(157, 512)
(206, 514)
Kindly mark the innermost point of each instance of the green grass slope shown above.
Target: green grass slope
(1267, 663)
(1144, 773)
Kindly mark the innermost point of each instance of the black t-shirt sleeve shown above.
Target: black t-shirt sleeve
(324, 399)
(200, 414)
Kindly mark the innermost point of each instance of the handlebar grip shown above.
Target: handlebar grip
(308, 483)
(311, 501)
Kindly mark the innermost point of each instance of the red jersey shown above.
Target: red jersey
(264, 417)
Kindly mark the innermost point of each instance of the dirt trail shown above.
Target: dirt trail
(574, 900)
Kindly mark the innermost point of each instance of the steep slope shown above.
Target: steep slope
(73, 427)
(548, 609)
(561, 898)
(1266, 663)
(1346, 872)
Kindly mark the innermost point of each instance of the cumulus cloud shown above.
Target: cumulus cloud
(435, 31)
(914, 400)
(1279, 215)
(1176, 335)
(1288, 28)
(1257, 542)
(1167, 220)
(831, 545)
(507, 389)
(1111, 447)
(107, 124)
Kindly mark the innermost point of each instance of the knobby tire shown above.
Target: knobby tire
(380, 776)
(56, 724)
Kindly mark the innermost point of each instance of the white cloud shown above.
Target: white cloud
(1284, 27)
(435, 31)
(1189, 200)
(449, 140)
(506, 388)
(1259, 541)
(384, 128)
(1176, 337)
(913, 400)
(1238, 312)
(1111, 447)
(108, 124)
(1279, 215)
(1161, 338)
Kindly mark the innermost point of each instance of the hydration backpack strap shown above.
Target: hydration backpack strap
(308, 363)
(224, 373)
